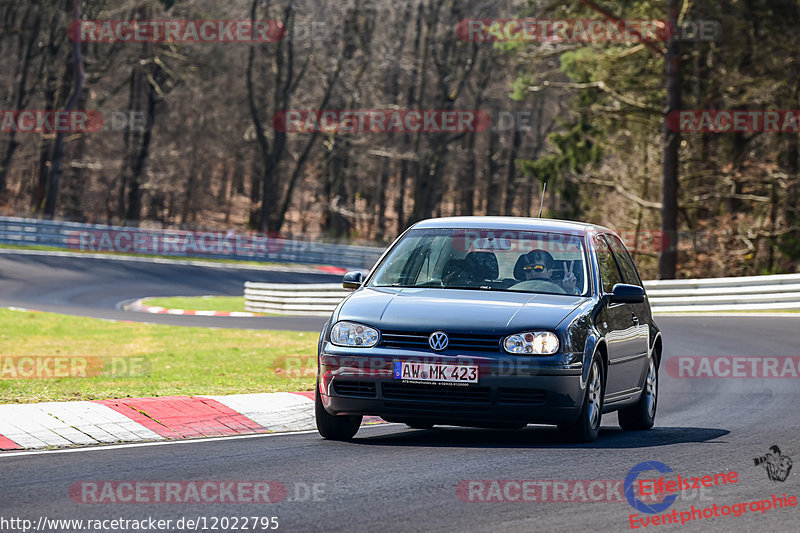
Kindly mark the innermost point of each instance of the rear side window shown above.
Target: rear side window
(609, 273)
(629, 273)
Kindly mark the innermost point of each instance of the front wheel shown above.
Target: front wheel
(642, 414)
(334, 427)
(587, 427)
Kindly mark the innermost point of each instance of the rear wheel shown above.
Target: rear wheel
(642, 414)
(586, 428)
(334, 427)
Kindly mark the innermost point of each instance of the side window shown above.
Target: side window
(609, 273)
(629, 273)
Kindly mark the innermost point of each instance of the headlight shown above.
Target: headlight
(532, 343)
(352, 334)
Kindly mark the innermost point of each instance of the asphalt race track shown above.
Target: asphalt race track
(395, 479)
(97, 288)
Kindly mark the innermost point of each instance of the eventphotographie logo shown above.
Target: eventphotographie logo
(777, 465)
(630, 486)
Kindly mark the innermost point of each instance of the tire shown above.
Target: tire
(587, 427)
(642, 414)
(334, 427)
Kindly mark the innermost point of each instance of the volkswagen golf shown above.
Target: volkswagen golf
(492, 322)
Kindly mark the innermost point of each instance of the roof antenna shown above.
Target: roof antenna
(541, 204)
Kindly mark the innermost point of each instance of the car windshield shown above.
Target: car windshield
(513, 260)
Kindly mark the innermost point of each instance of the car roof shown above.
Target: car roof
(511, 223)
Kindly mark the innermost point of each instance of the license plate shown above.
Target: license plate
(436, 372)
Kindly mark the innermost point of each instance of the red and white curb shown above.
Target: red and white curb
(141, 306)
(60, 424)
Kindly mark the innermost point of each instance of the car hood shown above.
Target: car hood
(429, 309)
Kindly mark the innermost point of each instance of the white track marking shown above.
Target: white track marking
(276, 411)
(40, 425)
(100, 421)
(5, 455)
(31, 420)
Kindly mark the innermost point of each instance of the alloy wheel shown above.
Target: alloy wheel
(595, 395)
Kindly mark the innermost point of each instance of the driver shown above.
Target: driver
(538, 264)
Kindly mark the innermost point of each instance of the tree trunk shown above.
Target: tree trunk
(492, 187)
(21, 92)
(468, 181)
(667, 264)
(134, 211)
(58, 152)
(45, 150)
(399, 204)
(511, 175)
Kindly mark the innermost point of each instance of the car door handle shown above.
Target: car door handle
(635, 319)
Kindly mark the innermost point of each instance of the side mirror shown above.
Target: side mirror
(623, 293)
(353, 280)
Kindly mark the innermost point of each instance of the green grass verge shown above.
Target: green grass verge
(199, 303)
(133, 360)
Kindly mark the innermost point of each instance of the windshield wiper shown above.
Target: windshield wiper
(470, 288)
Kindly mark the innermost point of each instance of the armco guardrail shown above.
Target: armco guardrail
(752, 293)
(749, 293)
(314, 299)
(178, 243)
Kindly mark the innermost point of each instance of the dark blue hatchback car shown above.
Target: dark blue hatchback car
(492, 322)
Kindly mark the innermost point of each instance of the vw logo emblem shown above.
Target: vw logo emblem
(438, 340)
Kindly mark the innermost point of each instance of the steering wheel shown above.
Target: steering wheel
(539, 285)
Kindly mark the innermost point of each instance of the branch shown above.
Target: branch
(593, 84)
(409, 156)
(657, 49)
(620, 189)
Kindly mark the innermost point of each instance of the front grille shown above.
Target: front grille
(418, 340)
(356, 389)
(437, 393)
(521, 396)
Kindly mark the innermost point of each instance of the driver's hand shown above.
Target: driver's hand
(569, 280)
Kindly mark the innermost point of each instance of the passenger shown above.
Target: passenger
(538, 264)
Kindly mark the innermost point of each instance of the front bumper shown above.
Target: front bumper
(511, 390)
